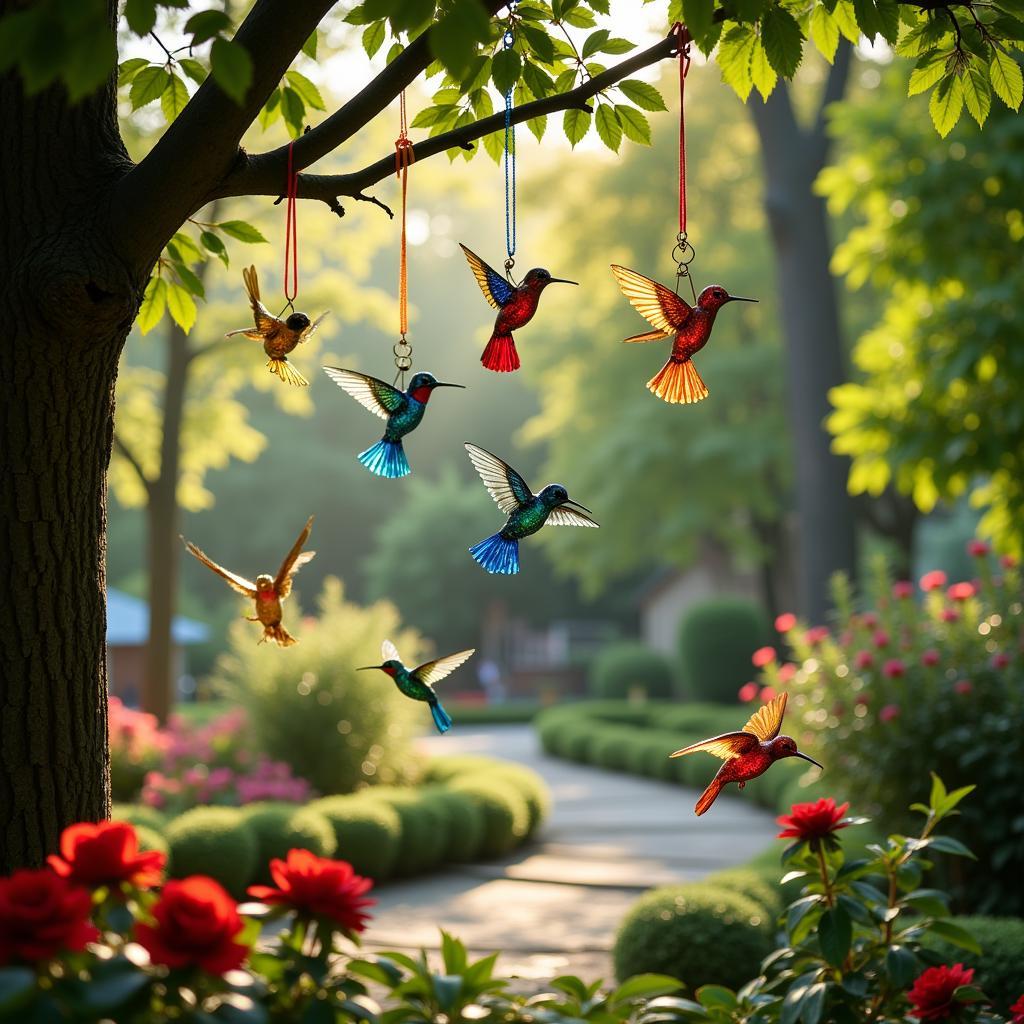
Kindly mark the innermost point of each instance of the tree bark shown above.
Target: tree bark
(792, 157)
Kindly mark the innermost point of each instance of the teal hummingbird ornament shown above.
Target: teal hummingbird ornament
(403, 411)
(527, 512)
(418, 683)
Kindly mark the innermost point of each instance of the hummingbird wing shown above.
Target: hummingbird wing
(658, 305)
(727, 746)
(376, 395)
(293, 562)
(563, 516)
(766, 722)
(237, 583)
(265, 320)
(497, 289)
(434, 671)
(309, 331)
(503, 483)
(389, 652)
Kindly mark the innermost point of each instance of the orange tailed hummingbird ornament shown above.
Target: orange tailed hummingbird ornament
(671, 316)
(749, 752)
(269, 592)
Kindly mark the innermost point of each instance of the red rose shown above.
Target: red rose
(931, 996)
(196, 924)
(902, 590)
(763, 656)
(961, 591)
(320, 888)
(106, 853)
(1018, 1011)
(785, 622)
(963, 686)
(977, 548)
(933, 580)
(813, 821)
(930, 658)
(863, 659)
(1000, 660)
(42, 914)
(748, 691)
(889, 713)
(893, 669)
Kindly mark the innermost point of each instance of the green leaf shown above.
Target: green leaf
(538, 126)
(699, 18)
(505, 70)
(187, 249)
(592, 44)
(1006, 78)
(242, 230)
(734, 57)
(946, 104)
(978, 100)
(957, 935)
(494, 145)
(429, 116)
(782, 40)
(928, 69)
(373, 37)
(193, 69)
(173, 98)
(215, 245)
(306, 89)
(575, 124)
(128, 69)
(634, 124)
(947, 844)
(192, 283)
(762, 74)
(207, 24)
(154, 301)
(16, 987)
(454, 38)
(232, 68)
(148, 85)
(643, 95)
(293, 110)
(539, 42)
(140, 15)
(608, 128)
(889, 20)
(868, 18)
(309, 46)
(846, 21)
(824, 32)
(537, 81)
(645, 985)
(271, 110)
(835, 932)
(710, 996)
(617, 45)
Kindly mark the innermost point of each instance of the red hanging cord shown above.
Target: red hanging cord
(404, 156)
(683, 47)
(291, 238)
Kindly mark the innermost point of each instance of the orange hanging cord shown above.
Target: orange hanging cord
(291, 238)
(404, 156)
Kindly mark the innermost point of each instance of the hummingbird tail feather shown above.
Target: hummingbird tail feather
(442, 719)
(386, 458)
(500, 354)
(278, 635)
(283, 369)
(708, 797)
(497, 555)
(678, 383)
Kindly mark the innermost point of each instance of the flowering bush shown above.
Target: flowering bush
(903, 686)
(136, 745)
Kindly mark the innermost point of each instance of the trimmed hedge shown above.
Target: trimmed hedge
(464, 824)
(367, 833)
(279, 828)
(698, 933)
(422, 838)
(149, 839)
(139, 814)
(505, 813)
(625, 666)
(214, 841)
(1000, 968)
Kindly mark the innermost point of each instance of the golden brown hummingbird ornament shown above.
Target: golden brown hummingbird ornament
(269, 592)
(279, 336)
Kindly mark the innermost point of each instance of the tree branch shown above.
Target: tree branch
(197, 150)
(132, 461)
(328, 187)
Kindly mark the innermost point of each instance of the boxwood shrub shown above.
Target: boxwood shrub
(367, 832)
(627, 666)
(214, 841)
(279, 828)
(505, 812)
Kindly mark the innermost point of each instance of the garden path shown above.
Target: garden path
(553, 906)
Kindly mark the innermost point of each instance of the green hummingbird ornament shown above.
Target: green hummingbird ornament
(418, 683)
(527, 512)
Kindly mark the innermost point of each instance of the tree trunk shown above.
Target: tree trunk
(792, 158)
(67, 302)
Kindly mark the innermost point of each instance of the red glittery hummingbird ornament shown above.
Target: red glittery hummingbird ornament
(749, 752)
(671, 316)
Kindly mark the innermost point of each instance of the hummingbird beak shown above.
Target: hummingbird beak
(584, 508)
(370, 668)
(811, 759)
(445, 384)
(562, 280)
(740, 298)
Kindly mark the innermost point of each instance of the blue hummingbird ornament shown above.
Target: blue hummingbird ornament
(527, 512)
(418, 683)
(403, 411)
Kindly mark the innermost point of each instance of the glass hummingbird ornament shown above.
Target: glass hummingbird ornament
(418, 683)
(269, 592)
(403, 411)
(515, 304)
(671, 317)
(527, 512)
(279, 337)
(749, 752)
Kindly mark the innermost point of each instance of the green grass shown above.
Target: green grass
(197, 713)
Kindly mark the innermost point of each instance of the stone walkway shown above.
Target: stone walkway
(553, 907)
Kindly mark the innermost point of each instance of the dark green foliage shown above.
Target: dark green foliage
(463, 823)
(214, 841)
(716, 640)
(1000, 968)
(149, 839)
(279, 828)
(139, 814)
(505, 813)
(698, 933)
(627, 667)
(422, 838)
(759, 885)
(368, 832)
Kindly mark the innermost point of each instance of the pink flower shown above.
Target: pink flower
(963, 687)
(862, 699)
(961, 591)
(768, 693)
(1008, 562)
(785, 622)
(930, 658)
(1000, 660)
(763, 656)
(863, 659)
(748, 691)
(880, 638)
(977, 548)
(787, 671)
(893, 669)
(869, 619)
(902, 590)
(950, 615)
(816, 635)
(933, 580)
(889, 713)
